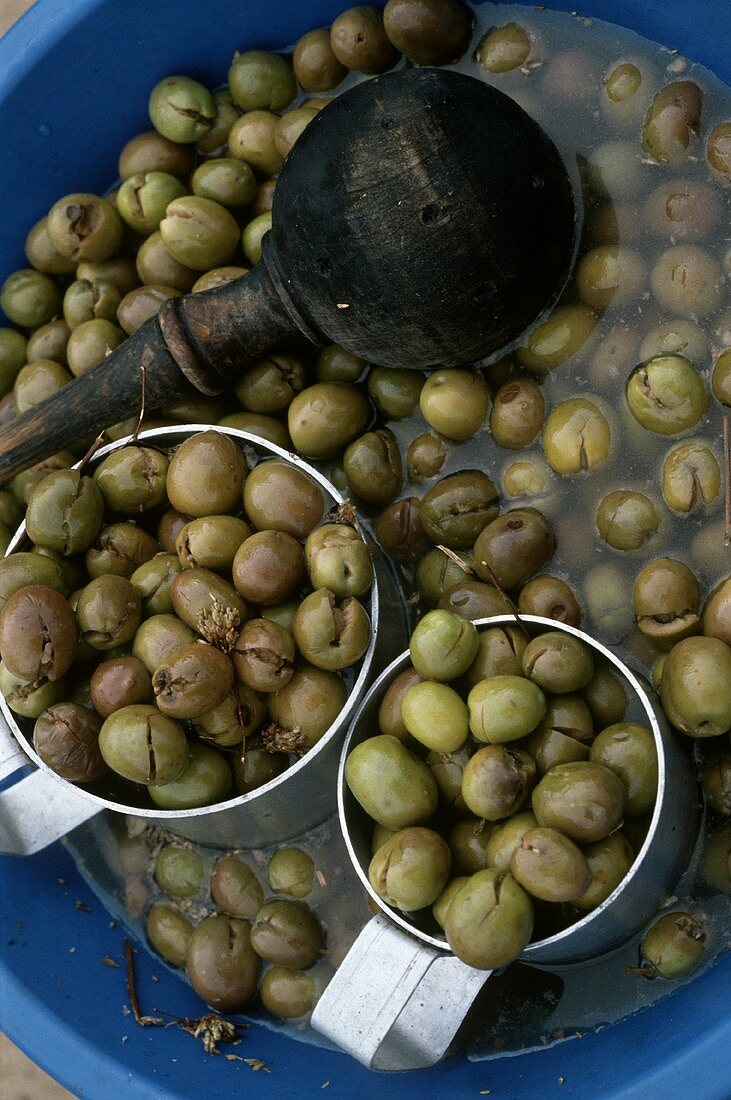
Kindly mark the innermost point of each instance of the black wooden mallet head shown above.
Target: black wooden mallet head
(422, 219)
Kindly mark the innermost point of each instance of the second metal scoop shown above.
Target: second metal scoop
(400, 996)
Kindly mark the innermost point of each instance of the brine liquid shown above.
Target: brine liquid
(561, 88)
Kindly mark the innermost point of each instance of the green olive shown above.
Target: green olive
(443, 646)
(550, 866)
(455, 402)
(143, 745)
(392, 785)
(695, 687)
(65, 512)
(584, 800)
(373, 467)
(205, 779)
(410, 870)
(626, 519)
(395, 392)
(504, 708)
(435, 715)
(559, 338)
(497, 781)
(324, 418)
(251, 139)
(609, 861)
(691, 477)
(329, 634)
(490, 920)
(672, 118)
(576, 436)
(338, 558)
(628, 748)
(667, 395)
(674, 944)
(181, 109)
(506, 837)
(666, 599)
(179, 871)
(291, 871)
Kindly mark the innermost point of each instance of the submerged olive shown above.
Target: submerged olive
(674, 945)
(576, 437)
(288, 934)
(169, 931)
(551, 598)
(504, 48)
(517, 413)
(490, 920)
(457, 508)
(235, 888)
(667, 395)
(143, 745)
(291, 871)
(672, 118)
(557, 339)
(179, 871)
(626, 519)
(410, 869)
(691, 477)
(221, 964)
(66, 737)
(695, 687)
(497, 781)
(687, 281)
(583, 800)
(393, 786)
(510, 549)
(38, 634)
(455, 402)
(666, 599)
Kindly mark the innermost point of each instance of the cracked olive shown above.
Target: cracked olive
(499, 653)
(169, 931)
(558, 662)
(192, 680)
(23, 484)
(687, 281)
(206, 475)
(65, 512)
(337, 557)
(666, 599)
(448, 768)
(268, 568)
(468, 841)
(429, 32)
(395, 391)
(29, 298)
(504, 48)
(157, 267)
(473, 600)
(398, 528)
(288, 934)
(410, 869)
(550, 866)
(315, 65)
(517, 413)
(229, 723)
(435, 715)
(676, 337)
(168, 529)
(325, 417)
(504, 708)
(84, 227)
(208, 604)
(721, 378)
(89, 300)
(628, 748)
(179, 871)
(425, 456)
(583, 799)
(38, 634)
(717, 782)
(674, 945)
(221, 964)
(564, 733)
(609, 861)
(550, 597)
(21, 569)
(576, 436)
(331, 634)
(291, 871)
(718, 150)
(258, 766)
(286, 993)
(310, 702)
(497, 781)
(66, 737)
(119, 270)
(263, 655)
(271, 384)
(691, 477)
(490, 920)
(457, 508)
(199, 233)
(280, 497)
(251, 139)
(443, 645)
(210, 542)
(510, 549)
(373, 467)
(143, 745)
(557, 339)
(610, 275)
(181, 109)
(30, 698)
(359, 41)
(506, 837)
(667, 395)
(132, 479)
(143, 198)
(393, 786)
(206, 779)
(455, 402)
(390, 719)
(436, 572)
(695, 686)
(266, 427)
(671, 120)
(683, 210)
(109, 611)
(235, 889)
(13, 356)
(219, 276)
(626, 519)
(152, 583)
(157, 637)
(214, 141)
(119, 682)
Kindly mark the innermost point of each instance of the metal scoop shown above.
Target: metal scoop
(41, 807)
(400, 995)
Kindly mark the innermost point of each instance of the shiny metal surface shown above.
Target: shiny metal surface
(657, 867)
(299, 799)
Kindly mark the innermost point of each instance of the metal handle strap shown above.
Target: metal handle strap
(12, 756)
(396, 1004)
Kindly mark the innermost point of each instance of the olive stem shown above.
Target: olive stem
(129, 974)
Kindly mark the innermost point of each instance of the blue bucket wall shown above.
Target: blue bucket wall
(74, 77)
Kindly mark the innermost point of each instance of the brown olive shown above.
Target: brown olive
(159, 636)
(398, 528)
(473, 600)
(257, 766)
(118, 683)
(429, 32)
(119, 550)
(315, 65)
(517, 413)
(309, 703)
(390, 720)
(497, 781)
(263, 655)
(192, 680)
(38, 634)
(235, 889)
(550, 597)
(359, 41)
(666, 599)
(66, 737)
(425, 456)
(221, 964)
(373, 466)
(513, 547)
(457, 508)
(280, 497)
(288, 933)
(583, 800)
(499, 653)
(717, 782)
(269, 568)
(170, 525)
(208, 604)
(109, 611)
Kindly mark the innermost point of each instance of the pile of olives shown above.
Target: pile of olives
(498, 785)
(183, 622)
(224, 952)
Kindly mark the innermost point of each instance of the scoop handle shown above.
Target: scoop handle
(394, 1003)
(204, 339)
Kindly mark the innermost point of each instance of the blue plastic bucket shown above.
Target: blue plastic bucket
(74, 77)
